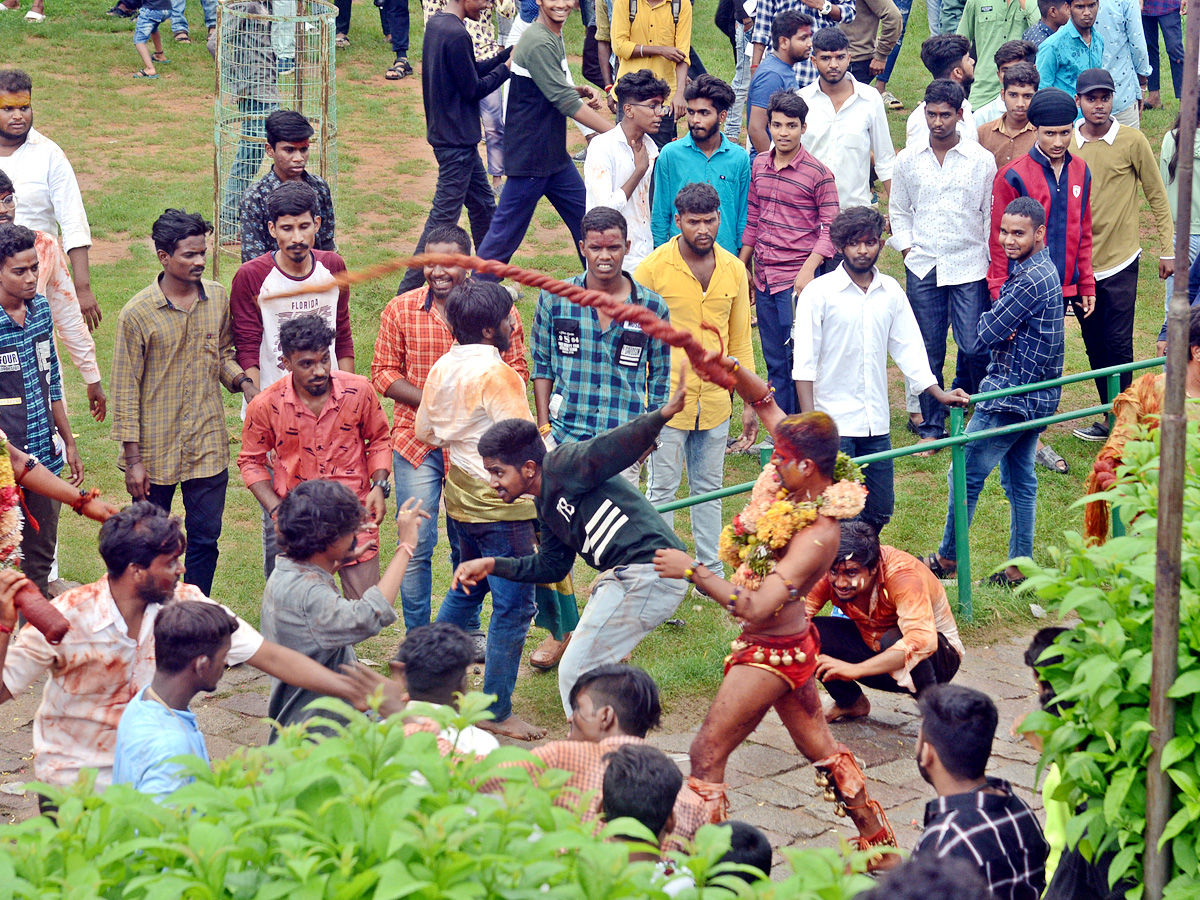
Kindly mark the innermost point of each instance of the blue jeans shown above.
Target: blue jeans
(394, 18)
(179, 15)
(491, 110)
(879, 477)
(937, 309)
(203, 509)
(147, 23)
(1013, 453)
(741, 85)
(704, 454)
(424, 482)
(775, 315)
(905, 7)
(251, 149)
(512, 604)
(1171, 27)
(933, 12)
(1169, 284)
(518, 202)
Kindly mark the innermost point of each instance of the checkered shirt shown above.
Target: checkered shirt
(256, 238)
(39, 422)
(1030, 305)
(997, 832)
(766, 12)
(412, 337)
(1160, 7)
(598, 393)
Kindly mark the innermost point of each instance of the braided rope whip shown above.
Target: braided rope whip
(707, 363)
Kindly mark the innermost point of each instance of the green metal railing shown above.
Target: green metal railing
(957, 442)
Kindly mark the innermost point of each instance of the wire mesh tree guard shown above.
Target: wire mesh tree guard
(270, 54)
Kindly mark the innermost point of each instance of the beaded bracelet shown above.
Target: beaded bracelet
(544, 430)
(736, 365)
(83, 499)
(764, 399)
(733, 599)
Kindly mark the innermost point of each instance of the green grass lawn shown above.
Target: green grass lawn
(139, 147)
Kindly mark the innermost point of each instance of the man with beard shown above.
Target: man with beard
(847, 324)
(319, 423)
(705, 156)
(257, 312)
(45, 183)
(945, 56)
(701, 283)
(791, 42)
(467, 391)
(108, 653)
(413, 335)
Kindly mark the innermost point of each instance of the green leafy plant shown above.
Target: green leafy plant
(365, 813)
(1100, 737)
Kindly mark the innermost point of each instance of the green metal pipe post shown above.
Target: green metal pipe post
(962, 543)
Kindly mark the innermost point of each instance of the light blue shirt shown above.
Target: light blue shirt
(148, 735)
(728, 170)
(1063, 55)
(1120, 24)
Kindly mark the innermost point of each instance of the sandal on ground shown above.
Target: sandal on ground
(1001, 579)
(142, 73)
(939, 571)
(32, 16)
(913, 428)
(1048, 459)
(549, 652)
(891, 101)
(159, 59)
(181, 37)
(341, 42)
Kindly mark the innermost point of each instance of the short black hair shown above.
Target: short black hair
(603, 218)
(748, 847)
(314, 515)
(789, 103)
(943, 90)
(435, 659)
(137, 535)
(630, 691)
(928, 876)
(1015, 51)
(1039, 643)
(514, 442)
(640, 782)
(1022, 73)
(859, 543)
(943, 53)
(310, 334)
(830, 40)
(176, 225)
(698, 198)
(187, 629)
(6, 185)
(287, 125)
(475, 305)
(855, 222)
(292, 198)
(811, 435)
(1028, 208)
(15, 81)
(639, 86)
(1044, 6)
(960, 723)
(15, 239)
(710, 87)
(786, 24)
(449, 234)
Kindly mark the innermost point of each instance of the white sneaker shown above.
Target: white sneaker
(891, 101)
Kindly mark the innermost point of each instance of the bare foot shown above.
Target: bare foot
(515, 728)
(925, 454)
(861, 708)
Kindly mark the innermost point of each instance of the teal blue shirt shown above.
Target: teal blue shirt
(1063, 55)
(728, 170)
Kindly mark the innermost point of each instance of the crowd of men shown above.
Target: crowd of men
(1011, 209)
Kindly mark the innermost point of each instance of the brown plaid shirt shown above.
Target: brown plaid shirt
(168, 366)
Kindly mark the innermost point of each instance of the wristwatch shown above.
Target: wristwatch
(827, 8)
(384, 485)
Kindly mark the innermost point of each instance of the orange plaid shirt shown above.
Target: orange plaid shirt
(412, 337)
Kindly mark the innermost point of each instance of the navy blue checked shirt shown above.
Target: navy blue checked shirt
(30, 382)
(600, 379)
(1024, 331)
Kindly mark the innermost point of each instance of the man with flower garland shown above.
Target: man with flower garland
(783, 543)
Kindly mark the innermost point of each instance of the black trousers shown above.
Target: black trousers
(841, 639)
(203, 510)
(1108, 331)
(37, 545)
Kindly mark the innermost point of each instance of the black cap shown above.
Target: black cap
(1094, 80)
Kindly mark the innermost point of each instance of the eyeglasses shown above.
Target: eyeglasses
(9, 202)
(661, 108)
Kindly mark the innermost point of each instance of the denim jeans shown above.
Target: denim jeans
(461, 181)
(937, 309)
(775, 316)
(905, 7)
(394, 17)
(341, 22)
(741, 85)
(704, 454)
(491, 110)
(251, 149)
(879, 477)
(1013, 453)
(512, 604)
(933, 13)
(179, 21)
(203, 509)
(424, 482)
(1171, 26)
(625, 605)
(1169, 284)
(518, 202)
(283, 37)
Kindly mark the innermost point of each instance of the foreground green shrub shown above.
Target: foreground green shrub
(1100, 740)
(367, 813)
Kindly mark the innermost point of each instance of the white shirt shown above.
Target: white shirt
(608, 166)
(47, 193)
(941, 212)
(844, 139)
(842, 339)
(991, 112)
(917, 129)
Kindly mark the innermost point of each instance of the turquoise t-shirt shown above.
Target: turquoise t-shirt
(149, 735)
